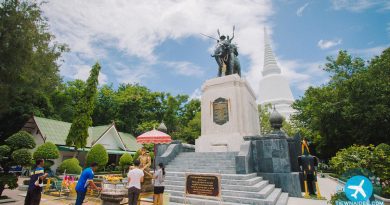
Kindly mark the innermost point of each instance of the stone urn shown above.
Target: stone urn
(112, 197)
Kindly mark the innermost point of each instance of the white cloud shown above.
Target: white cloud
(356, 5)
(196, 94)
(77, 69)
(83, 74)
(325, 44)
(301, 74)
(368, 53)
(185, 68)
(301, 9)
(136, 28)
(127, 74)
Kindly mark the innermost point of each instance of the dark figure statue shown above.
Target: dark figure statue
(226, 54)
(308, 165)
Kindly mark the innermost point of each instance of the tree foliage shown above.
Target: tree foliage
(70, 166)
(29, 66)
(98, 154)
(82, 119)
(374, 159)
(16, 151)
(352, 108)
(265, 126)
(125, 161)
(48, 150)
(20, 140)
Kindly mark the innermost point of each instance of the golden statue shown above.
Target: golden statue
(145, 160)
(145, 163)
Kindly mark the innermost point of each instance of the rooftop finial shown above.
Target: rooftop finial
(276, 119)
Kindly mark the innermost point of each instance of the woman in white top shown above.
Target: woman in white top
(159, 177)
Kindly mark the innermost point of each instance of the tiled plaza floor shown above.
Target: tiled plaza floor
(327, 187)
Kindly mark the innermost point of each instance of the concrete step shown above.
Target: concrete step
(229, 171)
(178, 197)
(246, 182)
(283, 199)
(207, 163)
(176, 200)
(213, 167)
(267, 190)
(224, 176)
(203, 159)
(208, 153)
(273, 197)
(250, 189)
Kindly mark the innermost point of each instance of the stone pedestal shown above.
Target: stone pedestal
(229, 112)
(274, 164)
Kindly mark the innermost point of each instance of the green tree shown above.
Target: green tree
(98, 154)
(173, 114)
(288, 127)
(192, 130)
(14, 152)
(47, 151)
(29, 66)
(352, 108)
(106, 106)
(264, 114)
(125, 161)
(135, 105)
(82, 120)
(70, 166)
(65, 98)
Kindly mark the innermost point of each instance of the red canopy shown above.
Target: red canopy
(154, 137)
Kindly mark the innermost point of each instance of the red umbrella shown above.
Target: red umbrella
(154, 137)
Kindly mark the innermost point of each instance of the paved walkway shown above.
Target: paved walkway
(327, 187)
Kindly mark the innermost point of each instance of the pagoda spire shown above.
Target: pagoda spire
(270, 64)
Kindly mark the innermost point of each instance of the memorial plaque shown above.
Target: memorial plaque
(206, 185)
(220, 111)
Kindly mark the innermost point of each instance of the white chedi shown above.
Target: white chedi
(274, 88)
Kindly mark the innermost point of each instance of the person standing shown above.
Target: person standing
(85, 180)
(34, 191)
(159, 177)
(135, 177)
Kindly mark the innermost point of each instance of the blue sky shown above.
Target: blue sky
(157, 43)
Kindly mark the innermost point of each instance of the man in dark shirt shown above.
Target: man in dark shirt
(33, 196)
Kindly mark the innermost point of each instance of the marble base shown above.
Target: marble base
(241, 120)
(288, 182)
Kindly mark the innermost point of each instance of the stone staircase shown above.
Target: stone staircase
(236, 188)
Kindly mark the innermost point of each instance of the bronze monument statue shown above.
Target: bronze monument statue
(226, 54)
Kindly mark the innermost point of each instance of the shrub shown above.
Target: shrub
(48, 150)
(98, 154)
(353, 157)
(14, 152)
(20, 140)
(364, 160)
(125, 161)
(4, 151)
(21, 157)
(338, 196)
(71, 166)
